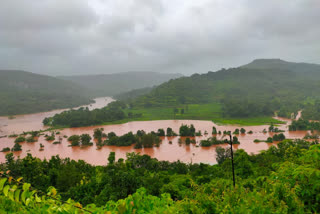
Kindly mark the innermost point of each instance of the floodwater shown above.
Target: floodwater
(166, 151)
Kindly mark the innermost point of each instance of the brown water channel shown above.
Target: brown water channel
(166, 151)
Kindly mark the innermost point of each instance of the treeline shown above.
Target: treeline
(302, 124)
(282, 179)
(85, 117)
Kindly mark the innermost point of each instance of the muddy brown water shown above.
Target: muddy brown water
(166, 151)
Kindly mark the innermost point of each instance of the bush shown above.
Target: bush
(6, 149)
(20, 139)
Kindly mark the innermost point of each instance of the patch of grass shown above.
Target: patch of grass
(210, 111)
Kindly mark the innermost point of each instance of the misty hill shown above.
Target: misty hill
(259, 88)
(112, 84)
(283, 65)
(25, 92)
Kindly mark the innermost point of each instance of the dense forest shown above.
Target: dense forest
(283, 179)
(24, 92)
(257, 89)
(118, 83)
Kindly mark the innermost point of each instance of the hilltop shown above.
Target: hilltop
(283, 65)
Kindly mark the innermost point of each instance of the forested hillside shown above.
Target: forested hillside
(24, 92)
(113, 84)
(283, 179)
(257, 89)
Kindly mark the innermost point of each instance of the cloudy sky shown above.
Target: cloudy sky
(58, 37)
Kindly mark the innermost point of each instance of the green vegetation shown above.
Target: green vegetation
(51, 137)
(282, 179)
(118, 112)
(20, 139)
(212, 141)
(30, 139)
(251, 91)
(75, 140)
(186, 130)
(118, 83)
(276, 137)
(211, 111)
(85, 117)
(6, 149)
(24, 92)
(16, 147)
(302, 124)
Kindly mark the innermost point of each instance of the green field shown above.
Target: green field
(194, 112)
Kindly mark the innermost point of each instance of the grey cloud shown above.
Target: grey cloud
(105, 36)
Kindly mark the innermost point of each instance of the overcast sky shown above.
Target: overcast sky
(107, 36)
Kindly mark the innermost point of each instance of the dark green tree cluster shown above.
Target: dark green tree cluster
(20, 139)
(302, 124)
(170, 132)
(80, 140)
(147, 141)
(214, 141)
(85, 117)
(187, 131)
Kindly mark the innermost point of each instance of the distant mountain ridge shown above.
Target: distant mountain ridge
(282, 64)
(117, 83)
(25, 92)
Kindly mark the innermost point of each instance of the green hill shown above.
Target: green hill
(113, 84)
(257, 89)
(25, 92)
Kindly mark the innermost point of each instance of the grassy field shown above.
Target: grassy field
(194, 112)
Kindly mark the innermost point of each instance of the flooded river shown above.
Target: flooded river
(166, 151)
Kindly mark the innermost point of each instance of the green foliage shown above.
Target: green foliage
(241, 92)
(278, 137)
(16, 147)
(85, 117)
(214, 130)
(161, 133)
(186, 130)
(30, 139)
(170, 132)
(75, 140)
(50, 137)
(6, 149)
(243, 131)
(212, 141)
(112, 157)
(85, 140)
(282, 179)
(20, 139)
(302, 124)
